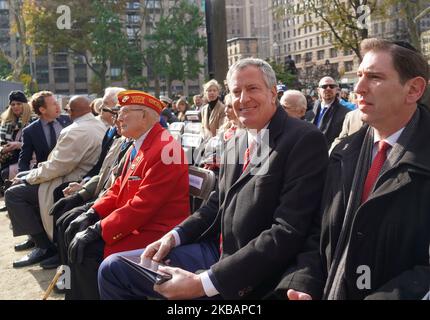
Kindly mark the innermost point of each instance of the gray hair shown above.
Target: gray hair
(113, 92)
(211, 83)
(300, 98)
(268, 73)
(155, 117)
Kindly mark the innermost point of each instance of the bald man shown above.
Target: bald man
(29, 200)
(294, 103)
(329, 113)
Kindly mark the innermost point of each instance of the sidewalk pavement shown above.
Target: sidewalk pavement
(27, 283)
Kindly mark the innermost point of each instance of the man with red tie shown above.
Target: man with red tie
(269, 190)
(149, 198)
(376, 224)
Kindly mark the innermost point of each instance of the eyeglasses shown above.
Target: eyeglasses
(325, 86)
(124, 111)
(109, 110)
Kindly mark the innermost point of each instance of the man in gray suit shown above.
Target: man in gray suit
(260, 212)
(29, 200)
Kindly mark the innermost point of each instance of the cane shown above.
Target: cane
(53, 282)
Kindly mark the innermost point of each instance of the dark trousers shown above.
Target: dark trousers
(62, 223)
(118, 281)
(22, 203)
(84, 275)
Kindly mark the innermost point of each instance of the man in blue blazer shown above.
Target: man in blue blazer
(37, 136)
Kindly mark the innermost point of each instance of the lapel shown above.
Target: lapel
(348, 157)
(410, 152)
(41, 133)
(328, 116)
(274, 129)
(233, 158)
(140, 156)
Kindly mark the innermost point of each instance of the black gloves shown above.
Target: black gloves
(65, 204)
(81, 240)
(82, 222)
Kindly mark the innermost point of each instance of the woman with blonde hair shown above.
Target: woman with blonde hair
(16, 117)
(213, 112)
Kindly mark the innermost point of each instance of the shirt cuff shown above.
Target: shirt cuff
(177, 238)
(208, 286)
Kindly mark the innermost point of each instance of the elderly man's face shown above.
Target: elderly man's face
(132, 121)
(254, 104)
(109, 101)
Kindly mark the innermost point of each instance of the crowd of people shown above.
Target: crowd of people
(315, 200)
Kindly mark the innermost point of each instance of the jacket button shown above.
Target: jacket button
(241, 293)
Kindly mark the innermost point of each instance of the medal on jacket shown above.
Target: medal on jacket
(136, 161)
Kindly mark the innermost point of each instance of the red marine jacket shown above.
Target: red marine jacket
(149, 198)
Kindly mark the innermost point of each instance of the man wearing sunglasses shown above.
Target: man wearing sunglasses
(329, 113)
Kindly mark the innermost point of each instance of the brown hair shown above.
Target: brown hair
(38, 100)
(408, 62)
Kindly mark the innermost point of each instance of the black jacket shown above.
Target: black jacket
(332, 122)
(34, 140)
(264, 219)
(390, 232)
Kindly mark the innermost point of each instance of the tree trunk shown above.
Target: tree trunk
(157, 85)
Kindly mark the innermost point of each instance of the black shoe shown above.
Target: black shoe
(27, 244)
(35, 256)
(3, 209)
(51, 263)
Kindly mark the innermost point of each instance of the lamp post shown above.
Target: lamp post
(276, 47)
(328, 68)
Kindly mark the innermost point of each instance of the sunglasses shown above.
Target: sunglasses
(331, 86)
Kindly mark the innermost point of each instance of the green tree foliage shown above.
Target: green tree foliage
(96, 32)
(339, 20)
(14, 68)
(283, 75)
(172, 49)
(343, 21)
(5, 68)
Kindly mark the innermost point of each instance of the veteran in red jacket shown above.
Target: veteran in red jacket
(149, 198)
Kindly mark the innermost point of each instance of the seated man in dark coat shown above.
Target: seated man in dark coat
(376, 224)
(255, 223)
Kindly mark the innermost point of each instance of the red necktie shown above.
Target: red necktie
(375, 169)
(247, 156)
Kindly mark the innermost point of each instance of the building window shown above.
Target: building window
(308, 56)
(320, 54)
(348, 66)
(333, 53)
